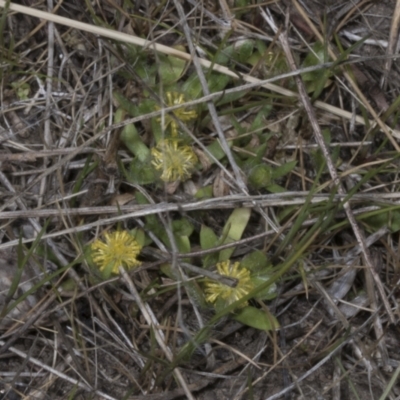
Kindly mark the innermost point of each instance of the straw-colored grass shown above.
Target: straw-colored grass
(199, 200)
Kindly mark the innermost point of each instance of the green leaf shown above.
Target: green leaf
(225, 55)
(233, 230)
(140, 236)
(170, 68)
(319, 160)
(157, 130)
(181, 230)
(283, 169)
(217, 82)
(22, 90)
(389, 218)
(216, 150)
(208, 239)
(286, 213)
(254, 161)
(132, 140)
(205, 192)
(316, 56)
(268, 293)
(255, 261)
(147, 72)
(326, 133)
(147, 106)
(196, 293)
(259, 121)
(141, 172)
(221, 304)
(107, 271)
(141, 198)
(243, 50)
(242, 8)
(152, 222)
(210, 260)
(192, 87)
(237, 126)
(182, 227)
(256, 318)
(260, 176)
(230, 97)
(182, 243)
(126, 105)
(316, 80)
(167, 270)
(275, 188)
(260, 45)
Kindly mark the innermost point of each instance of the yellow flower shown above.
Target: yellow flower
(224, 294)
(119, 249)
(173, 99)
(176, 161)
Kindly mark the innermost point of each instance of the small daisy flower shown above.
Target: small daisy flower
(119, 249)
(224, 294)
(173, 99)
(176, 161)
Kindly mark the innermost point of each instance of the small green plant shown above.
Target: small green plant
(22, 90)
(119, 248)
(171, 158)
(247, 275)
(222, 295)
(174, 160)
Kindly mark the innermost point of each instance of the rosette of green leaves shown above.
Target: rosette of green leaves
(256, 262)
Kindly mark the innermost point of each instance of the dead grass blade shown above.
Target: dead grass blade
(205, 63)
(332, 170)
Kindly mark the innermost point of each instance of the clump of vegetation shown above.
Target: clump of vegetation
(169, 219)
(119, 249)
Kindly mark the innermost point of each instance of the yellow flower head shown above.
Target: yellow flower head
(173, 99)
(119, 249)
(176, 161)
(224, 294)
